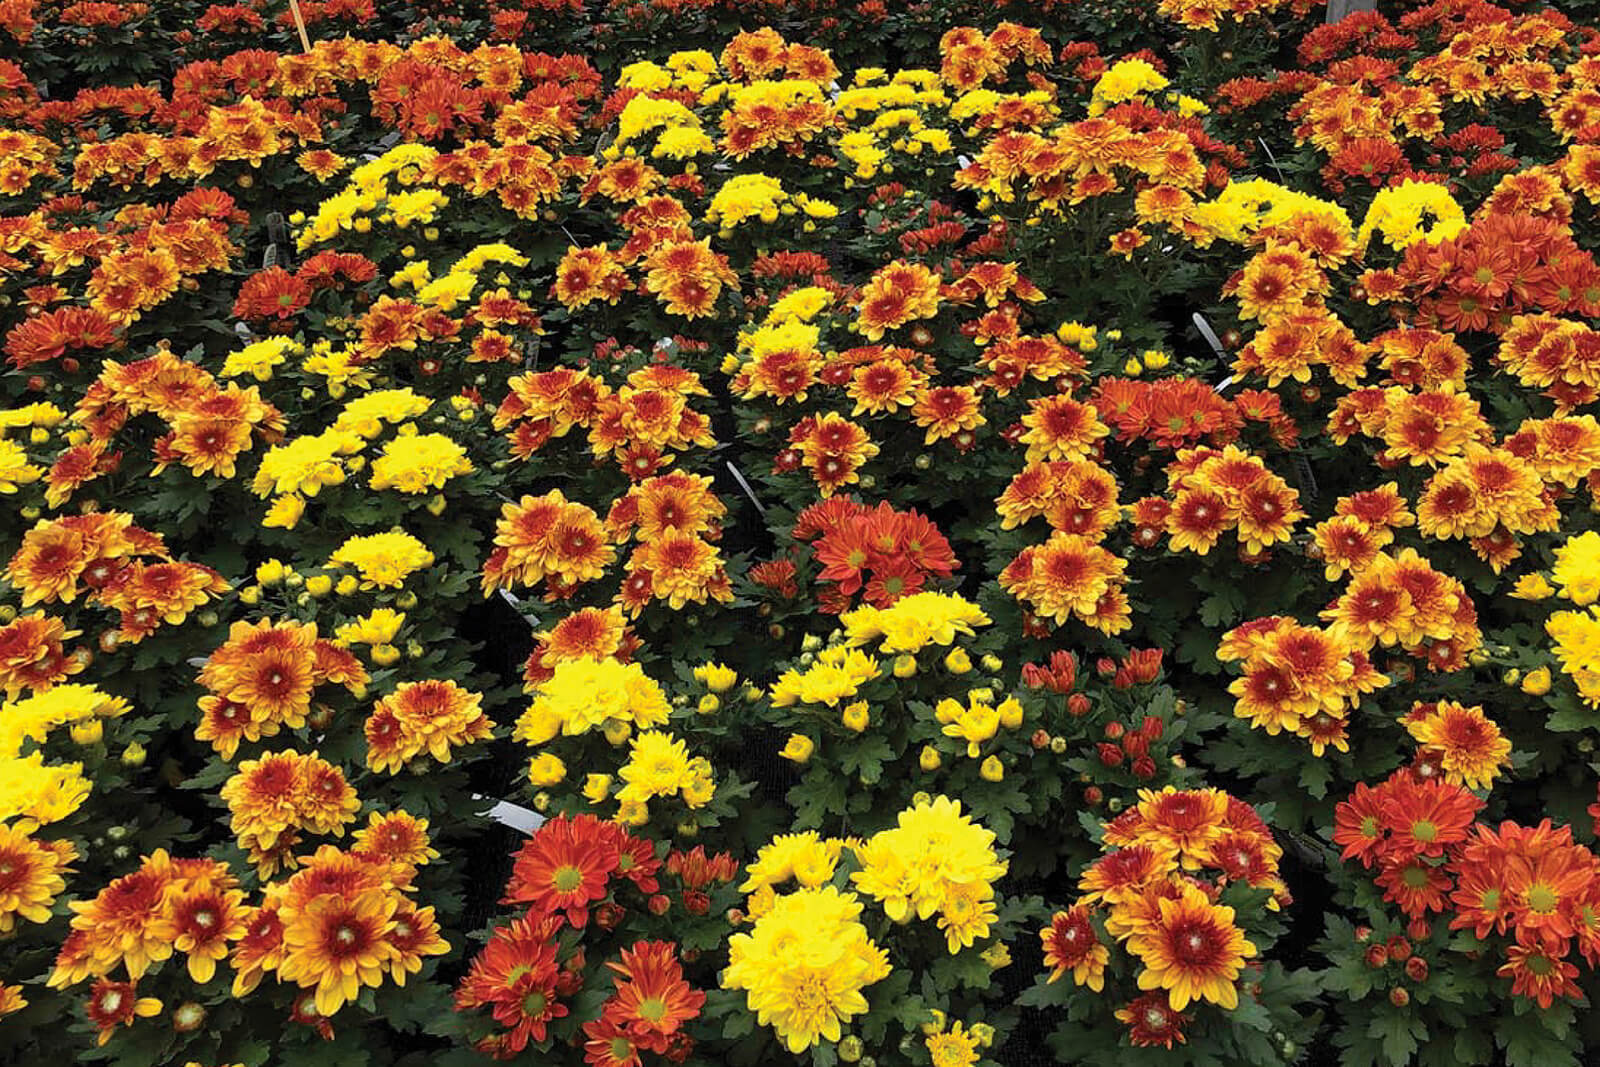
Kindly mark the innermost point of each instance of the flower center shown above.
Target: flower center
(1542, 899)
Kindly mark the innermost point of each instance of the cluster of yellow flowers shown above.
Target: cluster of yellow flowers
(834, 674)
(368, 195)
(804, 964)
(977, 721)
(32, 791)
(935, 861)
(585, 695)
(756, 196)
(659, 765)
(1397, 214)
(383, 560)
(912, 623)
(411, 462)
(1577, 633)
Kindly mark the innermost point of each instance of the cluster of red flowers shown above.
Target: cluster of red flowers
(1517, 257)
(881, 553)
(566, 868)
(569, 864)
(1174, 413)
(1133, 745)
(275, 296)
(1534, 885)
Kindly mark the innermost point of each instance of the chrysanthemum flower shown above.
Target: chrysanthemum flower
(1540, 972)
(433, 717)
(1151, 1021)
(1472, 750)
(1192, 950)
(113, 1004)
(804, 964)
(565, 867)
(1071, 944)
(652, 1001)
(30, 876)
(337, 945)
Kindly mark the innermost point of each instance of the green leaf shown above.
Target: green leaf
(1314, 778)
(1250, 1012)
(819, 796)
(1223, 607)
(1473, 1046)
(1398, 1030)
(1527, 1042)
(866, 758)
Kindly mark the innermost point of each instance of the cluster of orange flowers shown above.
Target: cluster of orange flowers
(970, 57)
(262, 680)
(831, 447)
(1071, 575)
(277, 798)
(638, 425)
(342, 922)
(1559, 356)
(33, 654)
(1155, 891)
(547, 539)
(895, 295)
(1218, 490)
(675, 520)
(1210, 14)
(1080, 160)
(1298, 678)
(423, 717)
(146, 256)
(35, 876)
(564, 544)
(114, 564)
(209, 425)
(589, 633)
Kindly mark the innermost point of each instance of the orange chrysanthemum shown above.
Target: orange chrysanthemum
(336, 945)
(1193, 950)
(30, 876)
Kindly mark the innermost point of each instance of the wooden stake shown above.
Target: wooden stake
(300, 24)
